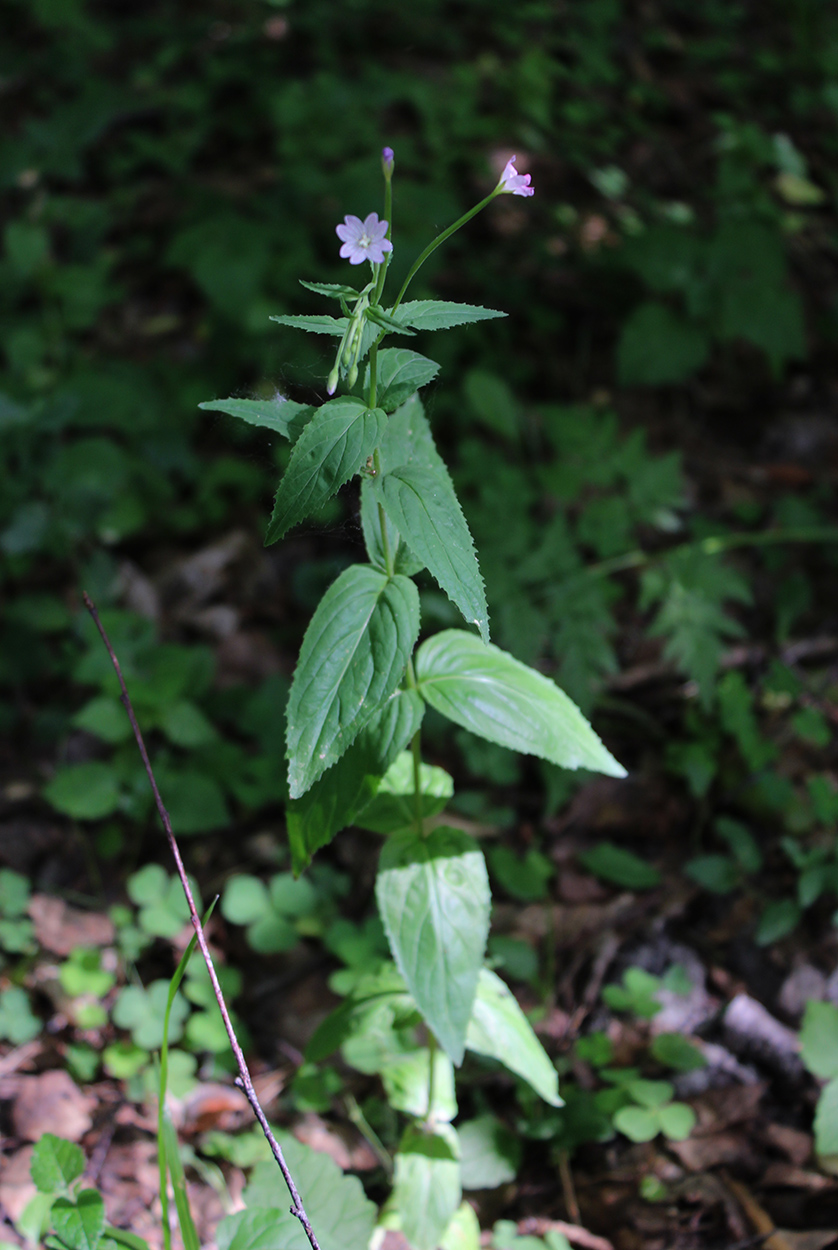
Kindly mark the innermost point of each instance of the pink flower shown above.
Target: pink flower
(513, 183)
(363, 240)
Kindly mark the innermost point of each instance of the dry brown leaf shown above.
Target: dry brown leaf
(16, 1185)
(315, 1132)
(51, 1103)
(60, 928)
(699, 1153)
(795, 1144)
(786, 1174)
(214, 1106)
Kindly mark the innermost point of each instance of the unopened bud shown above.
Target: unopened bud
(387, 162)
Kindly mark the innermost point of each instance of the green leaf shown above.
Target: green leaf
(439, 314)
(637, 1123)
(314, 325)
(421, 503)
(489, 1153)
(658, 347)
(650, 1094)
(405, 1080)
(353, 656)
(491, 399)
(403, 559)
(524, 878)
(400, 374)
(408, 439)
(195, 801)
(434, 900)
(245, 899)
(677, 1121)
(826, 1122)
(499, 1029)
(55, 1163)
(105, 718)
(426, 1185)
(123, 1238)
(777, 921)
(463, 1231)
(484, 689)
(620, 867)
(384, 988)
(676, 1051)
(383, 319)
(345, 789)
(79, 1224)
(341, 1214)
(819, 1039)
(84, 791)
(283, 416)
(332, 448)
(334, 290)
(394, 804)
(717, 873)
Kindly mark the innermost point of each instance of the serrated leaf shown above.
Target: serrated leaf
(335, 800)
(499, 1029)
(434, 900)
(403, 559)
(332, 448)
(334, 290)
(313, 324)
(55, 1163)
(439, 314)
(283, 416)
(421, 503)
(487, 691)
(383, 319)
(79, 1224)
(353, 656)
(408, 439)
(426, 1185)
(340, 1213)
(400, 374)
(394, 804)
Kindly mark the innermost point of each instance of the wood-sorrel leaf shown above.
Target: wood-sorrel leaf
(487, 691)
(440, 314)
(353, 656)
(421, 503)
(426, 1185)
(434, 900)
(283, 416)
(499, 1029)
(332, 448)
(335, 800)
(400, 374)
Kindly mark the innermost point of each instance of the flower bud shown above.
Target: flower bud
(387, 162)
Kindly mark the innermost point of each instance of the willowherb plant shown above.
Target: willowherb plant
(361, 685)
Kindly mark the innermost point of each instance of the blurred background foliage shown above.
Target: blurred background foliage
(170, 170)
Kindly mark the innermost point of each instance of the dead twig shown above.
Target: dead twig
(243, 1080)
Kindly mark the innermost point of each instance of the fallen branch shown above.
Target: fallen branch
(243, 1080)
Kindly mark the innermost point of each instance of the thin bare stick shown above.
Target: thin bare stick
(243, 1080)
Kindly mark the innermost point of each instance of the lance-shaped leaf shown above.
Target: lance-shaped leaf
(332, 448)
(440, 314)
(408, 439)
(380, 318)
(353, 656)
(334, 290)
(346, 788)
(283, 416)
(433, 896)
(421, 503)
(314, 325)
(380, 991)
(499, 1029)
(400, 374)
(426, 1184)
(403, 559)
(484, 689)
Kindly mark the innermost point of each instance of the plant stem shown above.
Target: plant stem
(416, 749)
(440, 239)
(368, 1133)
(243, 1080)
(432, 1049)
